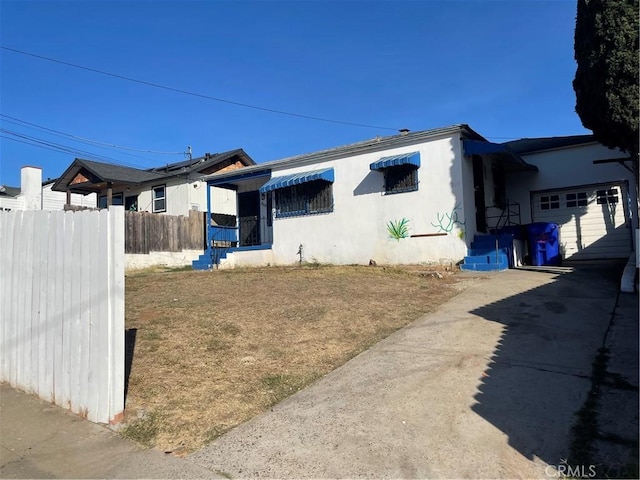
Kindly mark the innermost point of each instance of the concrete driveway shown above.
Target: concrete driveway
(486, 386)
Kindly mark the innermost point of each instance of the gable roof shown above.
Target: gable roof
(203, 163)
(531, 145)
(97, 174)
(7, 191)
(371, 145)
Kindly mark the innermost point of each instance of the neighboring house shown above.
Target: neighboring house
(33, 194)
(584, 187)
(421, 197)
(172, 189)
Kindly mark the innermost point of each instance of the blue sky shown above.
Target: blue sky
(503, 67)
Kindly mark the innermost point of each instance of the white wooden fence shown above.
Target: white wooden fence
(62, 308)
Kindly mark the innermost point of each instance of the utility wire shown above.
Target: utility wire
(35, 141)
(68, 136)
(89, 140)
(199, 95)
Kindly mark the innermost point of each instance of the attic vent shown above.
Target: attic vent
(404, 131)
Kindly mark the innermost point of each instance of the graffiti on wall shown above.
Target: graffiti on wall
(398, 228)
(446, 222)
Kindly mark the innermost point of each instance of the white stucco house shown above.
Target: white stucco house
(33, 194)
(172, 189)
(429, 197)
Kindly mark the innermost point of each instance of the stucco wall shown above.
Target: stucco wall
(567, 167)
(136, 261)
(356, 230)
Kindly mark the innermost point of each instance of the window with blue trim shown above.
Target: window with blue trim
(304, 199)
(400, 178)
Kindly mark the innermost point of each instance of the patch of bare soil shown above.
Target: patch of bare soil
(214, 349)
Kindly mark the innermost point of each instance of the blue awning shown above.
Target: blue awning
(507, 157)
(412, 158)
(325, 174)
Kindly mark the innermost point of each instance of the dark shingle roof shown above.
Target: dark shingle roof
(7, 191)
(531, 145)
(118, 174)
(201, 163)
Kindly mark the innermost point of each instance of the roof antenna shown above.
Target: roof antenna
(188, 152)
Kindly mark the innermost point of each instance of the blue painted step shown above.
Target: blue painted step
(489, 251)
(482, 241)
(483, 256)
(485, 263)
(483, 267)
(204, 262)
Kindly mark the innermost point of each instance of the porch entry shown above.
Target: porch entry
(478, 190)
(249, 219)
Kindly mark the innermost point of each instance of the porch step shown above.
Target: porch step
(204, 262)
(489, 251)
(485, 263)
(489, 241)
(486, 256)
(207, 261)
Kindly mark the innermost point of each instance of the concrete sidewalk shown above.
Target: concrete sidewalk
(486, 386)
(40, 440)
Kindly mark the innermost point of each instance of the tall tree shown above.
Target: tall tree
(606, 82)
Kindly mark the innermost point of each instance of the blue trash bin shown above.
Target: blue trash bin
(544, 244)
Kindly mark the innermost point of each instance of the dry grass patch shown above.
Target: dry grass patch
(214, 349)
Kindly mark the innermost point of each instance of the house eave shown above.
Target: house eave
(367, 146)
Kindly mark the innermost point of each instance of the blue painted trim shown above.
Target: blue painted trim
(412, 158)
(302, 213)
(325, 174)
(240, 176)
(208, 233)
(477, 147)
(264, 246)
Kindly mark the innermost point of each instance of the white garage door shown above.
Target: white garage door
(593, 220)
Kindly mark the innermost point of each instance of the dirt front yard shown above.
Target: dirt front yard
(214, 349)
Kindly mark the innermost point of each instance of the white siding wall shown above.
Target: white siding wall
(50, 200)
(182, 195)
(11, 203)
(567, 167)
(56, 200)
(223, 200)
(356, 230)
(62, 308)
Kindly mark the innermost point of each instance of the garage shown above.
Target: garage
(593, 220)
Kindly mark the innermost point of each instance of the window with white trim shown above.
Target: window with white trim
(549, 202)
(579, 199)
(609, 196)
(159, 199)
